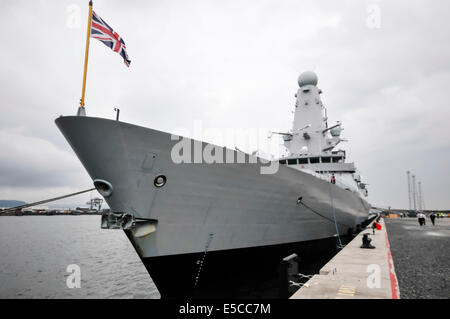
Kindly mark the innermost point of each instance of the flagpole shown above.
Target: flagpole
(81, 110)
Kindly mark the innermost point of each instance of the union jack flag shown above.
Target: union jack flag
(100, 30)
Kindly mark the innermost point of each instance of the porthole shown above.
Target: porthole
(160, 181)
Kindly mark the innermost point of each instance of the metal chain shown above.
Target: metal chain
(300, 276)
(211, 235)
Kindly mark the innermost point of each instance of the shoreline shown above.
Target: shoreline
(71, 213)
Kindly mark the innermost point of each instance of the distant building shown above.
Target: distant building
(37, 208)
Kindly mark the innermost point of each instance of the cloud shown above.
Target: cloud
(231, 64)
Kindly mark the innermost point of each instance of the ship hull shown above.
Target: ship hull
(236, 273)
(222, 209)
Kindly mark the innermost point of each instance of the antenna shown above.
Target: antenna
(408, 174)
(117, 113)
(414, 191)
(419, 193)
(421, 196)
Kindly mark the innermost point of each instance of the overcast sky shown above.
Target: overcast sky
(383, 66)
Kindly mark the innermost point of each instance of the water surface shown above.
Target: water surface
(36, 250)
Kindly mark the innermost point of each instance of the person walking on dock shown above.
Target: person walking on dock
(432, 217)
(421, 218)
(333, 179)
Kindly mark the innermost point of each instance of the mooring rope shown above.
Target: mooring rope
(334, 216)
(317, 213)
(44, 201)
(334, 220)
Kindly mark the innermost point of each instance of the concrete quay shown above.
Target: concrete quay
(356, 273)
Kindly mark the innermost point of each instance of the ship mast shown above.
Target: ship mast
(311, 140)
(310, 134)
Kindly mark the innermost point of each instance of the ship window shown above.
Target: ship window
(292, 161)
(336, 159)
(326, 159)
(303, 161)
(282, 161)
(314, 160)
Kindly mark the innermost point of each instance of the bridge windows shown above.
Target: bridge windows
(312, 160)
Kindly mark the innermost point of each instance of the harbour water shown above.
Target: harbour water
(35, 252)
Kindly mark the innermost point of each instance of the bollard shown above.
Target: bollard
(374, 226)
(287, 271)
(366, 242)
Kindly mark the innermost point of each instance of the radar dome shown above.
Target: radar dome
(307, 78)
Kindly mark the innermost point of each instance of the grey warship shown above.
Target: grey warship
(200, 226)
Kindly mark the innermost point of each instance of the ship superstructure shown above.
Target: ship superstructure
(312, 141)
